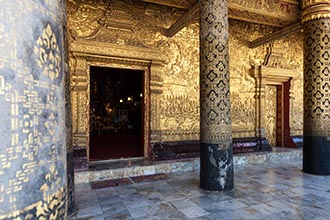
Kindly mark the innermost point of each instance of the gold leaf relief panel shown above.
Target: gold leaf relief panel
(179, 107)
(83, 17)
(74, 109)
(179, 112)
(243, 111)
(124, 23)
(241, 56)
(180, 74)
(268, 5)
(182, 67)
(270, 117)
(242, 82)
(296, 106)
(292, 49)
(83, 115)
(155, 119)
(135, 24)
(243, 32)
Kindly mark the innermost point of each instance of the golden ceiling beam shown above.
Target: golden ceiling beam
(191, 15)
(277, 13)
(273, 12)
(184, 4)
(276, 35)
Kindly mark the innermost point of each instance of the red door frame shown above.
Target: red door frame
(283, 136)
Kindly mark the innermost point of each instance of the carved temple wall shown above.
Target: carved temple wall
(284, 60)
(124, 34)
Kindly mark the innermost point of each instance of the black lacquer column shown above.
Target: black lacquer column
(316, 22)
(216, 172)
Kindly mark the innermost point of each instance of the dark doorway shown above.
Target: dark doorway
(116, 113)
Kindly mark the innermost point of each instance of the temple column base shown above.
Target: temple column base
(216, 171)
(316, 155)
(263, 145)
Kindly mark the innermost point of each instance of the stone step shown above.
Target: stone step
(131, 168)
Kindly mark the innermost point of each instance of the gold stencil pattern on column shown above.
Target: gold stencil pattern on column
(317, 72)
(49, 53)
(51, 208)
(214, 76)
(315, 9)
(33, 140)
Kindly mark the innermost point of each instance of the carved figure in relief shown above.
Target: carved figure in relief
(270, 97)
(179, 112)
(279, 6)
(293, 48)
(182, 67)
(241, 79)
(243, 113)
(83, 17)
(296, 123)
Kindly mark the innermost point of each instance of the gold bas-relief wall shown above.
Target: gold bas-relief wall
(285, 60)
(129, 35)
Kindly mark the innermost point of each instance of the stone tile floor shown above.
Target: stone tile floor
(262, 191)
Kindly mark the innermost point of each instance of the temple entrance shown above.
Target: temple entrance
(278, 115)
(116, 113)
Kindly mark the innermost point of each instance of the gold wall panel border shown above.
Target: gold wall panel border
(125, 53)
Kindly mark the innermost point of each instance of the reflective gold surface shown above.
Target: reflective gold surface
(131, 37)
(271, 104)
(270, 12)
(285, 60)
(315, 9)
(316, 84)
(215, 106)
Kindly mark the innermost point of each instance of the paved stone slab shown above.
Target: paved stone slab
(262, 191)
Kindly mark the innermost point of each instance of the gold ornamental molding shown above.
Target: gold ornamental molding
(307, 3)
(184, 4)
(317, 9)
(275, 13)
(99, 49)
